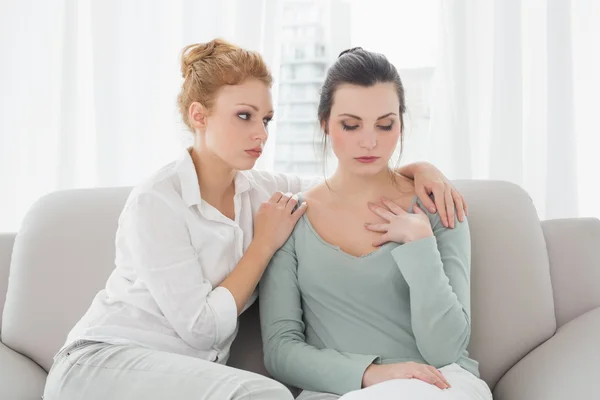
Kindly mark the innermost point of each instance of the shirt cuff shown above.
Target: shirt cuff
(419, 261)
(224, 309)
(351, 376)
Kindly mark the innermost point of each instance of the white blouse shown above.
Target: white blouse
(172, 251)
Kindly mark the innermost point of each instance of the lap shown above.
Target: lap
(101, 371)
(464, 386)
(308, 395)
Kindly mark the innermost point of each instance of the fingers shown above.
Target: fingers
(291, 204)
(284, 199)
(417, 210)
(275, 197)
(377, 227)
(300, 211)
(439, 196)
(449, 206)
(381, 240)
(433, 378)
(395, 208)
(440, 376)
(427, 376)
(425, 199)
(459, 204)
(383, 213)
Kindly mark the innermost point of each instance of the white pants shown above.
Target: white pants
(99, 371)
(464, 386)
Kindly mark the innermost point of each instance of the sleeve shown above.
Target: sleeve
(288, 357)
(437, 270)
(154, 239)
(274, 182)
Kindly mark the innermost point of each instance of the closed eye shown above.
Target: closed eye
(349, 127)
(386, 127)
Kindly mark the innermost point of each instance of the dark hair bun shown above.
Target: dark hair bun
(352, 50)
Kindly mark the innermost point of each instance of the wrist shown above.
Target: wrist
(418, 235)
(261, 250)
(367, 379)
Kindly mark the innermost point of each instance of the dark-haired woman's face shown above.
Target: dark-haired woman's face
(364, 127)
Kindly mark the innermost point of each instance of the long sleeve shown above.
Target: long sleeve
(437, 270)
(288, 357)
(155, 241)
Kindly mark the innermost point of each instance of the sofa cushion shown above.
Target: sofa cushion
(6, 246)
(512, 307)
(20, 378)
(564, 367)
(62, 256)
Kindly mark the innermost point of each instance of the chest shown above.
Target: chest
(220, 241)
(345, 229)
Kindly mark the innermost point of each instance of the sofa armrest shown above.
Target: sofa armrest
(6, 247)
(574, 253)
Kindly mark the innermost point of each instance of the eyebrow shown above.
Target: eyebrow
(253, 107)
(359, 118)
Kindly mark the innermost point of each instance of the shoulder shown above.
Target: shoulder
(270, 181)
(161, 188)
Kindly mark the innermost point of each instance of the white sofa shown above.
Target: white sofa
(535, 289)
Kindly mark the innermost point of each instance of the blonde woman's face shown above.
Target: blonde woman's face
(236, 128)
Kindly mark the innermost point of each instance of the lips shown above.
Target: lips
(255, 152)
(366, 160)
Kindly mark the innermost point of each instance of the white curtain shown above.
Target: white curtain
(516, 95)
(88, 87)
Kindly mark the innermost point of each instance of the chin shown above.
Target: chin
(369, 169)
(244, 165)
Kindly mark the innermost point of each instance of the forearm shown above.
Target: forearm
(409, 170)
(309, 368)
(242, 281)
(440, 321)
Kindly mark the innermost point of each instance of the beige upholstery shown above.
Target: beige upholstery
(6, 245)
(521, 268)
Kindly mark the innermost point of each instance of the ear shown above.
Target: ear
(197, 115)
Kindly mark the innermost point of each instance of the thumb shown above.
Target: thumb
(425, 199)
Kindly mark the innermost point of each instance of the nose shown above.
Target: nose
(368, 140)
(260, 133)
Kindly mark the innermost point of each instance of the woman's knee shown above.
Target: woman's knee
(265, 388)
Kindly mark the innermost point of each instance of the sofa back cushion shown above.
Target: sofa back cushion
(65, 251)
(512, 307)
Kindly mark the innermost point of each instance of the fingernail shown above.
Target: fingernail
(432, 209)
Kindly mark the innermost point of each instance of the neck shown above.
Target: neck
(359, 187)
(215, 177)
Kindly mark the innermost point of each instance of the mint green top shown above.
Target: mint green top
(327, 315)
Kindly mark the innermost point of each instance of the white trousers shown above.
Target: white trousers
(464, 386)
(99, 371)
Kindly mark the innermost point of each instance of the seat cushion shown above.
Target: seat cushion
(564, 367)
(20, 378)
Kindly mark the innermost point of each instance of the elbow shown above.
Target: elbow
(278, 362)
(272, 359)
(442, 351)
